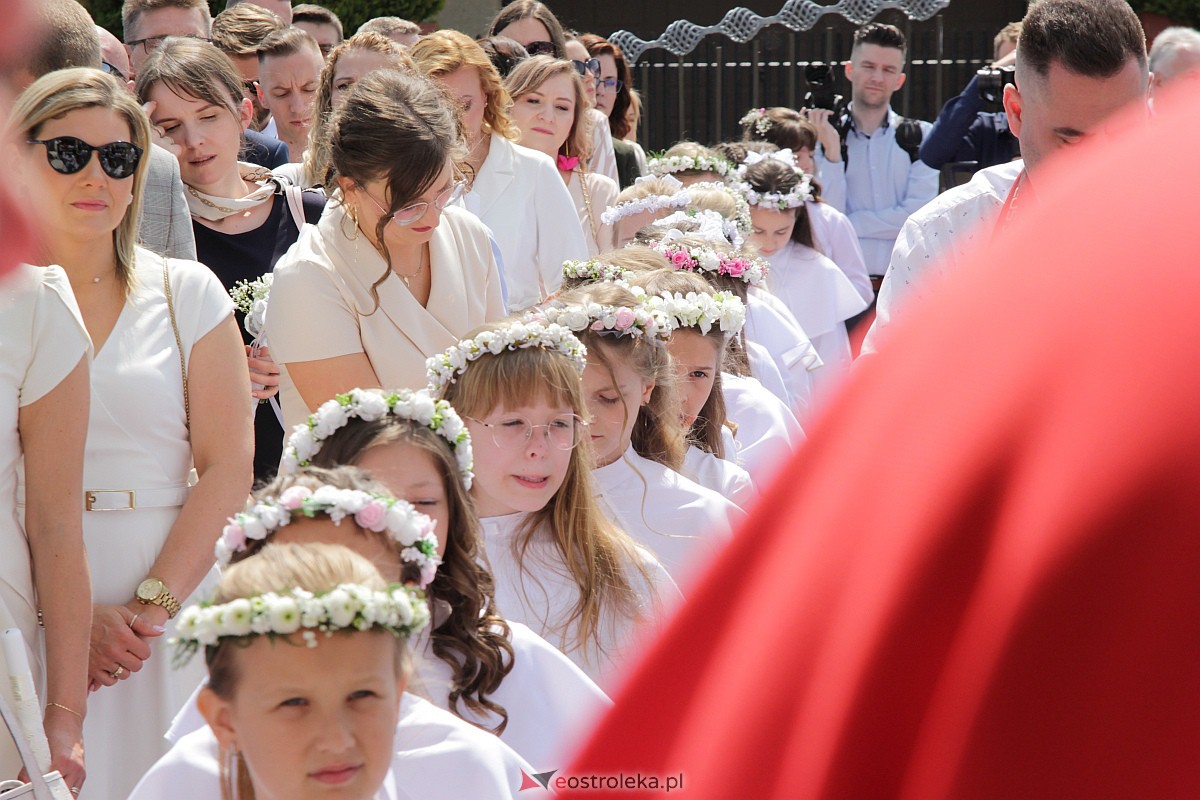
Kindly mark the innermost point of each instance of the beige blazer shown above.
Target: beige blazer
(321, 304)
(602, 193)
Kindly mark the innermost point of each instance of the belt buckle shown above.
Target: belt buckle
(89, 499)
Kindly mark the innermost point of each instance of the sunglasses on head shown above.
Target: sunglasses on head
(111, 70)
(541, 49)
(68, 155)
(592, 65)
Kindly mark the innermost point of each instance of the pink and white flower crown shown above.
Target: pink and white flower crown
(640, 321)
(697, 258)
(701, 310)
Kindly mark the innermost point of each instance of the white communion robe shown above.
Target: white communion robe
(721, 475)
(835, 238)
(437, 757)
(767, 431)
(770, 323)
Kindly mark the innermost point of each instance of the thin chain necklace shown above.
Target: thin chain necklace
(415, 273)
(208, 202)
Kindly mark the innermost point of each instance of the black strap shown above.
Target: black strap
(909, 135)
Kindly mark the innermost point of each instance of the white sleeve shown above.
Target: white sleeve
(559, 234)
(604, 158)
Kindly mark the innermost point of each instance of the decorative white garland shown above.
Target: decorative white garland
(402, 610)
(780, 201)
(712, 227)
(640, 321)
(594, 271)
(651, 203)
(372, 404)
(702, 310)
(250, 297)
(668, 165)
(696, 258)
(445, 368)
(759, 119)
(741, 214)
(406, 526)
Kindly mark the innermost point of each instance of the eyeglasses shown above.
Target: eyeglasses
(251, 88)
(68, 155)
(541, 49)
(511, 433)
(592, 65)
(111, 70)
(609, 84)
(151, 43)
(410, 214)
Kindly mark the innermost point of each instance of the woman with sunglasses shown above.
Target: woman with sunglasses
(615, 99)
(168, 392)
(393, 273)
(603, 159)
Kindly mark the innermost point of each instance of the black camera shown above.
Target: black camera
(992, 81)
(821, 93)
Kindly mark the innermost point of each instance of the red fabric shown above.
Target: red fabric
(981, 578)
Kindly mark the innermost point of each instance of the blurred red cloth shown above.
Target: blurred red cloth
(981, 578)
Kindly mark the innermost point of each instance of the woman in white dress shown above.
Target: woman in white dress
(43, 425)
(550, 109)
(492, 672)
(516, 192)
(169, 391)
(560, 566)
(392, 273)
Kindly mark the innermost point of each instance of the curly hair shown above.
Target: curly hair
(534, 71)
(445, 51)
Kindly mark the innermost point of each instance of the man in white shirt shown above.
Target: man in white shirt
(885, 181)
(1078, 61)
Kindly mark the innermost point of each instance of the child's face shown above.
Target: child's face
(771, 229)
(373, 546)
(524, 478)
(313, 722)
(411, 474)
(697, 363)
(614, 406)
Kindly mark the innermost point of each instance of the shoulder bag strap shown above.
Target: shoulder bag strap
(187, 408)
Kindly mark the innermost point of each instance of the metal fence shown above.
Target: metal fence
(702, 95)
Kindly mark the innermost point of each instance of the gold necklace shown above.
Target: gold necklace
(407, 278)
(209, 203)
(587, 202)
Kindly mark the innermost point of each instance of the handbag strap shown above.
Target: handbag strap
(187, 408)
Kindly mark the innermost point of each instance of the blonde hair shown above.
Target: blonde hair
(597, 555)
(58, 93)
(720, 200)
(278, 568)
(692, 150)
(238, 31)
(649, 186)
(445, 51)
(529, 75)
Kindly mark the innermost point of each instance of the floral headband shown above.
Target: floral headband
(711, 227)
(445, 368)
(419, 407)
(668, 165)
(779, 201)
(741, 214)
(406, 526)
(759, 119)
(402, 610)
(702, 310)
(594, 271)
(651, 203)
(696, 258)
(639, 322)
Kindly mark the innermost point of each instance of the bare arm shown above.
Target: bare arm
(53, 432)
(318, 381)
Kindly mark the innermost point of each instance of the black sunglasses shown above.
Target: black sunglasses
(68, 155)
(541, 49)
(592, 65)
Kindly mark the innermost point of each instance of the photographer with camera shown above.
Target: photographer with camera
(973, 127)
(885, 181)
(1078, 63)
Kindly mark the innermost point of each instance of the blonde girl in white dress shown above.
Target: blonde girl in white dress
(560, 565)
(550, 109)
(44, 355)
(516, 191)
(169, 391)
(393, 273)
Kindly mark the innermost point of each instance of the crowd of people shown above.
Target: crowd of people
(500, 385)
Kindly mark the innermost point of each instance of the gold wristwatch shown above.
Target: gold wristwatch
(153, 591)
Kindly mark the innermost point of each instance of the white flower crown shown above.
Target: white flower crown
(640, 321)
(712, 227)
(406, 526)
(250, 297)
(668, 165)
(702, 310)
(402, 610)
(594, 271)
(741, 214)
(758, 118)
(652, 203)
(445, 367)
(370, 405)
(780, 201)
(784, 156)
(696, 258)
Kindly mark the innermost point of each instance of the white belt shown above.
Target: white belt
(129, 499)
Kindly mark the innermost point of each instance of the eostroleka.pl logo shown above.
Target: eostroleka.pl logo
(634, 782)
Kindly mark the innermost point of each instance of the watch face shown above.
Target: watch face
(149, 589)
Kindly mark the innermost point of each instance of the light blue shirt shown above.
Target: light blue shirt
(883, 187)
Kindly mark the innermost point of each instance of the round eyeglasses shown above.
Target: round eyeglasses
(510, 433)
(411, 213)
(609, 85)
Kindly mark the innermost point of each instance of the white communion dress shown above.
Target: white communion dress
(138, 441)
(540, 592)
(437, 757)
(720, 475)
(767, 431)
(42, 339)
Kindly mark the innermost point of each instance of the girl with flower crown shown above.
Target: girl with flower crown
(434, 754)
(813, 288)
(550, 109)
(637, 433)
(560, 565)
(496, 674)
(690, 163)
